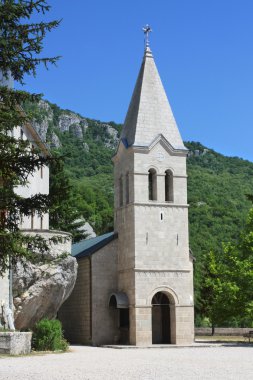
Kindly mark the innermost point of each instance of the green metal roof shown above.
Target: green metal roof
(89, 246)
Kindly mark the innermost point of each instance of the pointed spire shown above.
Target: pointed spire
(149, 113)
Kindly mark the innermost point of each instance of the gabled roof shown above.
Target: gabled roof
(149, 113)
(89, 246)
(164, 142)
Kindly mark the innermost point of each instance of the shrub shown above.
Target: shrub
(48, 336)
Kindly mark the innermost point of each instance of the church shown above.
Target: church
(135, 285)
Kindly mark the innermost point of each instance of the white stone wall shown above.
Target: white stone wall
(56, 248)
(4, 289)
(38, 183)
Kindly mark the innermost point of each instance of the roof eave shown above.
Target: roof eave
(91, 250)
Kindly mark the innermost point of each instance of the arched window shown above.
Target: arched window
(169, 197)
(121, 191)
(127, 188)
(152, 185)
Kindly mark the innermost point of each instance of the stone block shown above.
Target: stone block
(15, 343)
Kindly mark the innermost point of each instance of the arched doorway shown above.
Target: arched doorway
(161, 319)
(119, 302)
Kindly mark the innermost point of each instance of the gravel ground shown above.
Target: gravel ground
(84, 363)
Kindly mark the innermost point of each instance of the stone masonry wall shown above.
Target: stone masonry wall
(15, 343)
(104, 282)
(153, 242)
(233, 331)
(63, 245)
(75, 313)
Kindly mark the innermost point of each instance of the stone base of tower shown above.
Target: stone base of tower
(140, 326)
(184, 325)
(144, 332)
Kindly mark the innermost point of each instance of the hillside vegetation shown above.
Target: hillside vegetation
(217, 185)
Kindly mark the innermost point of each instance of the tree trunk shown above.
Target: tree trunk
(213, 329)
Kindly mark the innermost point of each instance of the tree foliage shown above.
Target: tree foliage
(227, 290)
(21, 43)
(218, 207)
(64, 213)
(48, 336)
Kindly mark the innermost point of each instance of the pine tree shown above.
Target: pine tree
(21, 43)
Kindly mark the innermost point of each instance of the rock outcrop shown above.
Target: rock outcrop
(73, 123)
(51, 122)
(65, 121)
(55, 141)
(40, 288)
(41, 125)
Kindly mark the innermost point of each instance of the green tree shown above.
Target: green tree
(64, 214)
(227, 290)
(21, 43)
(94, 205)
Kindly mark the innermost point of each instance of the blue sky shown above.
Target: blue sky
(203, 50)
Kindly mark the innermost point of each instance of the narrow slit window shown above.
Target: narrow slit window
(121, 191)
(169, 196)
(127, 188)
(152, 185)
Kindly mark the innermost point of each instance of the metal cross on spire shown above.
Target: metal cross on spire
(147, 29)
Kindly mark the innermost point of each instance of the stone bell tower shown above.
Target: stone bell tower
(151, 217)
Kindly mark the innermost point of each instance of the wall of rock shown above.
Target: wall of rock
(40, 288)
(48, 123)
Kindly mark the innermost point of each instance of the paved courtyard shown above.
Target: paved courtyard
(151, 363)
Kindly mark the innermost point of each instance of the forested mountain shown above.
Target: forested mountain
(217, 185)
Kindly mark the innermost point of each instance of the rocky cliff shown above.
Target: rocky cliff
(51, 122)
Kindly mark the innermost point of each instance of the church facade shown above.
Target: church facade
(135, 285)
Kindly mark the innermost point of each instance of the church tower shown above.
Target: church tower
(151, 217)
